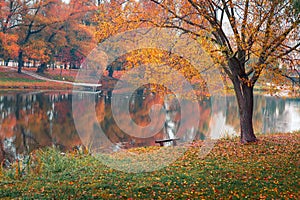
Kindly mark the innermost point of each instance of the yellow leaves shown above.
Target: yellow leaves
(215, 51)
(159, 65)
(112, 18)
(246, 81)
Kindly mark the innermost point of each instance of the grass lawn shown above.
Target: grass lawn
(10, 79)
(268, 169)
(61, 74)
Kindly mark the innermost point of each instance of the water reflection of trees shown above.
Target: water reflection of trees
(26, 122)
(271, 114)
(278, 113)
(32, 120)
(139, 106)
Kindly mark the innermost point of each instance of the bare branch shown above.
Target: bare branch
(232, 21)
(281, 38)
(244, 23)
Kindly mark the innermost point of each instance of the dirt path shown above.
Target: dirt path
(33, 74)
(84, 85)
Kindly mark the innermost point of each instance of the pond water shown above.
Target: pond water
(30, 120)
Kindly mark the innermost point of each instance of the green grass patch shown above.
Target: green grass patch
(59, 77)
(268, 169)
(19, 80)
(7, 77)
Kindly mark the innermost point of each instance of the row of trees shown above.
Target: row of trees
(46, 31)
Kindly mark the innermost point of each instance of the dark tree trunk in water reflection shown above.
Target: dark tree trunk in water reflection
(108, 97)
(20, 126)
(2, 153)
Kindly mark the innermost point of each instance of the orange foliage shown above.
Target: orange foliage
(9, 47)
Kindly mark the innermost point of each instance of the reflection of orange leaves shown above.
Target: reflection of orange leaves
(62, 108)
(100, 110)
(37, 123)
(64, 131)
(7, 127)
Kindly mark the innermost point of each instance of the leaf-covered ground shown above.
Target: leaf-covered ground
(268, 169)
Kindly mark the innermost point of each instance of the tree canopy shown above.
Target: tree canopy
(46, 31)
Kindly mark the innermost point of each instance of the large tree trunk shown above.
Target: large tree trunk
(244, 95)
(6, 62)
(41, 68)
(20, 61)
(110, 72)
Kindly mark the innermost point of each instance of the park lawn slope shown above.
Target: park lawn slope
(10, 79)
(268, 169)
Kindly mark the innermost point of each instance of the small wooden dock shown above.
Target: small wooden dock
(93, 86)
(161, 142)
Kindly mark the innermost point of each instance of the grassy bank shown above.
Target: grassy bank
(268, 169)
(10, 79)
(62, 75)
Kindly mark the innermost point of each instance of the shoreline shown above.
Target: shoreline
(34, 87)
(11, 80)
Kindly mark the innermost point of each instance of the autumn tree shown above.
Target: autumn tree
(117, 16)
(244, 38)
(235, 32)
(8, 46)
(44, 28)
(35, 18)
(72, 37)
(25, 19)
(9, 11)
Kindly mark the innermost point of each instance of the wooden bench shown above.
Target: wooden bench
(161, 142)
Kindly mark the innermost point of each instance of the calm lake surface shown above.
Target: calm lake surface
(30, 120)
